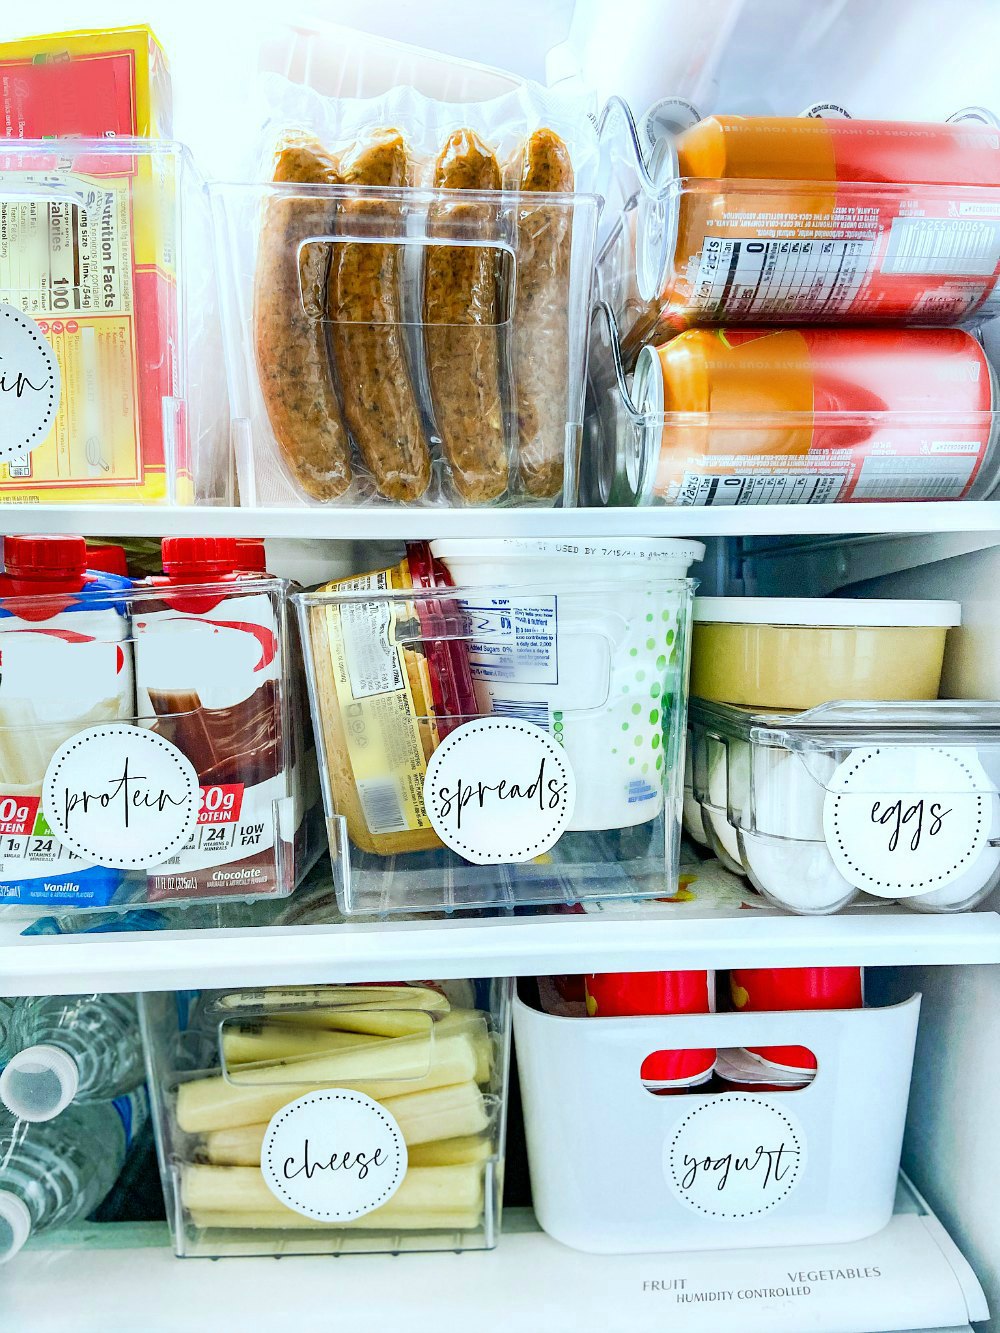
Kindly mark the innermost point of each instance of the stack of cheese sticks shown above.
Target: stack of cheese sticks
(427, 1062)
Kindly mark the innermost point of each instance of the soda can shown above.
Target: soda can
(801, 220)
(810, 416)
(760, 990)
(620, 994)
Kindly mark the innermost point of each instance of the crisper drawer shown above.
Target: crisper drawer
(330, 1119)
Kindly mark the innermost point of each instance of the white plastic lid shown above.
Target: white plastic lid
(612, 551)
(15, 1225)
(39, 1082)
(825, 611)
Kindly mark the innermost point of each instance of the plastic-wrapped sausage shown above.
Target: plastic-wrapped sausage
(541, 316)
(290, 340)
(460, 317)
(367, 330)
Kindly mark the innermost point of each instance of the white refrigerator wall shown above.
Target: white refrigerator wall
(952, 1146)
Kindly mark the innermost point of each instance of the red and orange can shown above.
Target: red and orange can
(811, 415)
(798, 219)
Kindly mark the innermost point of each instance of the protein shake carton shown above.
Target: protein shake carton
(65, 665)
(210, 678)
(309, 821)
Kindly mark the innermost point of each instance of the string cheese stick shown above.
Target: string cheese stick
(256, 1043)
(383, 1219)
(380, 1071)
(453, 1115)
(244, 1189)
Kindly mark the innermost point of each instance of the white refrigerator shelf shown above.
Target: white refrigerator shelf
(910, 1276)
(386, 522)
(633, 939)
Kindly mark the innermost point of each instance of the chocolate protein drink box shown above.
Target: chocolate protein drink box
(210, 680)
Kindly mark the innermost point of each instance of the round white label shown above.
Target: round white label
(121, 796)
(734, 1156)
(333, 1155)
(498, 789)
(901, 821)
(30, 384)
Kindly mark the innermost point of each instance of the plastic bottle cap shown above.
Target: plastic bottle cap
(52, 558)
(251, 555)
(108, 559)
(39, 1082)
(15, 1225)
(200, 557)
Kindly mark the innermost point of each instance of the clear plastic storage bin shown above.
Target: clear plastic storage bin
(778, 220)
(487, 408)
(512, 740)
(898, 801)
(804, 411)
(152, 747)
(110, 320)
(331, 1119)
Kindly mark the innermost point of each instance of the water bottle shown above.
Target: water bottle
(52, 1174)
(69, 1048)
(6, 1015)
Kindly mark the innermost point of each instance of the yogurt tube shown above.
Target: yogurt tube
(589, 641)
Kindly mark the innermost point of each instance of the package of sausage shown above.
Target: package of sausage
(416, 277)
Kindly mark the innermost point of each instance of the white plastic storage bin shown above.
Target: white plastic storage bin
(395, 404)
(152, 746)
(411, 1079)
(512, 740)
(618, 1169)
(895, 800)
(111, 283)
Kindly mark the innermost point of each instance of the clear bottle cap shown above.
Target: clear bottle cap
(39, 1082)
(15, 1225)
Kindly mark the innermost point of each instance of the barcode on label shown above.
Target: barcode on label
(913, 478)
(382, 803)
(943, 245)
(538, 713)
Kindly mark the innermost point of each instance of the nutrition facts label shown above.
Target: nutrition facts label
(746, 278)
(903, 477)
(60, 258)
(788, 488)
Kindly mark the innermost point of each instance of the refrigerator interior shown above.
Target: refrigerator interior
(899, 59)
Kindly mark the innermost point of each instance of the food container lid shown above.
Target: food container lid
(822, 612)
(846, 724)
(613, 551)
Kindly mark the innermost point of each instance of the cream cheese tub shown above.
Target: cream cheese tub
(586, 639)
(797, 652)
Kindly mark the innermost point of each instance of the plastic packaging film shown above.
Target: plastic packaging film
(424, 354)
